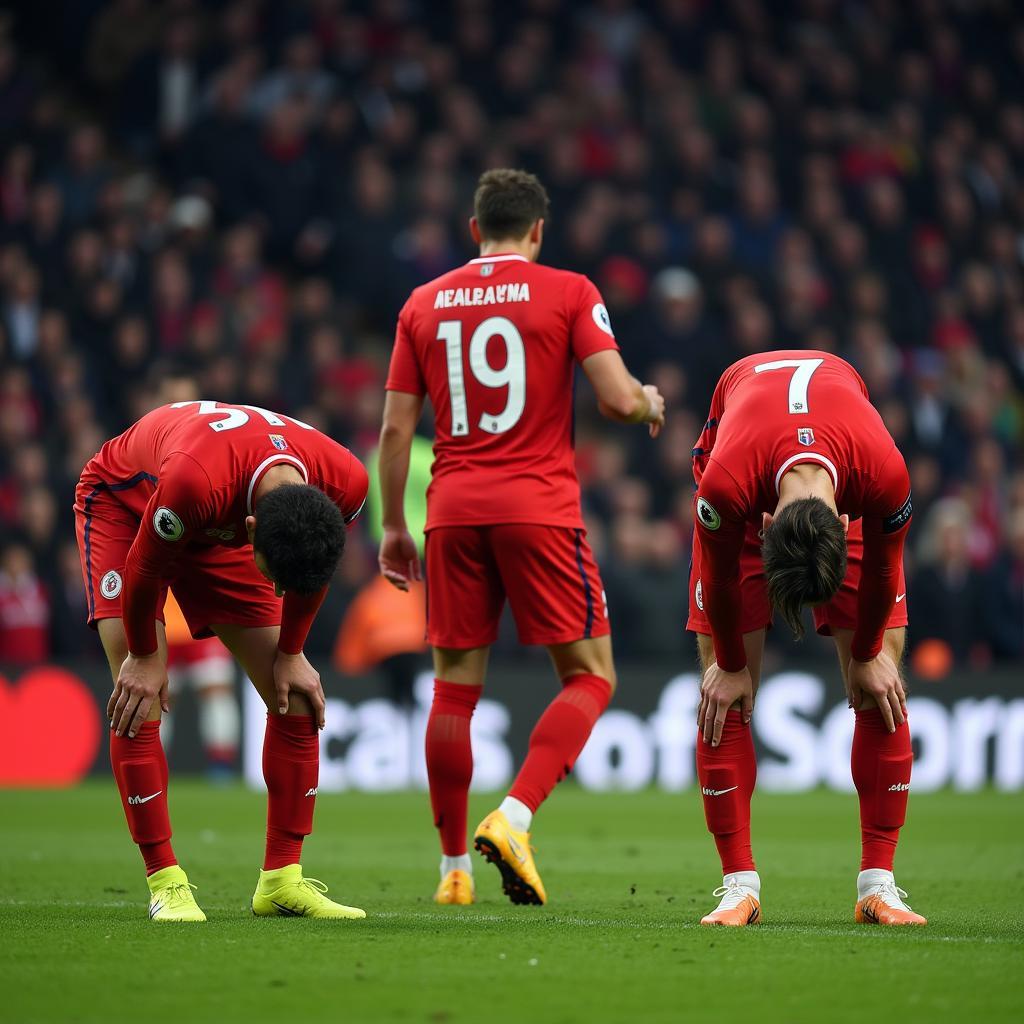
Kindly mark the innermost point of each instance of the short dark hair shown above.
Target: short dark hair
(804, 552)
(300, 533)
(508, 202)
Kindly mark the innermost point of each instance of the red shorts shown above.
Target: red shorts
(548, 574)
(756, 611)
(213, 585)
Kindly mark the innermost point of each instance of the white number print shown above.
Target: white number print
(803, 370)
(236, 416)
(512, 375)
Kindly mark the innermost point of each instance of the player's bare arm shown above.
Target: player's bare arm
(620, 396)
(398, 558)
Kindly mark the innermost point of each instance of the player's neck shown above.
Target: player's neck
(807, 480)
(510, 247)
(276, 476)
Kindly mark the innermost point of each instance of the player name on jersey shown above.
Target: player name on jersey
(492, 295)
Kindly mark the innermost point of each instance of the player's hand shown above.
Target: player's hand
(719, 690)
(880, 679)
(399, 560)
(139, 682)
(656, 412)
(294, 674)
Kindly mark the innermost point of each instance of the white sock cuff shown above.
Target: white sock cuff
(520, 817)
(872, 877)
(460, 863)
(748, 879)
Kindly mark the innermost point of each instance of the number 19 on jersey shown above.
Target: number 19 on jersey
(512, 375)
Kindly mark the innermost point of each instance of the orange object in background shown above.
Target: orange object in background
(381, 622)
(174, 621)
(932, 659)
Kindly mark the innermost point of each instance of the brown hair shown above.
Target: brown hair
(804, 552)
(508, 202)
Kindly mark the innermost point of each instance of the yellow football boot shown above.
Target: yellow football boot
(511, 853)
(456, 889)
(170, 896)
(283, 892)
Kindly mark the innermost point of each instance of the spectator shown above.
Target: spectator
(24, 609)
(949, 595)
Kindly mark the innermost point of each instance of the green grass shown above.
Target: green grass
(628, 877)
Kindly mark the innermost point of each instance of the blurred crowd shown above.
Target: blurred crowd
(242, 193)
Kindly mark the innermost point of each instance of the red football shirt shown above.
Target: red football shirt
(494, 344)
(770, 412)
(193, 468)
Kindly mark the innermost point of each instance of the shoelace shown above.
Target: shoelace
(891, 895)
(179, 893)
(315, 884)
(732, 896)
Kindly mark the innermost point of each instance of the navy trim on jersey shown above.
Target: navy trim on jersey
(696, 452)
(588, 596)
(123, 485)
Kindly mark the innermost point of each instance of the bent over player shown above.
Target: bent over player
(243, 514)
(802, 498)
(495, 344)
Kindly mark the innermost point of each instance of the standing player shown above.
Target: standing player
(243, 513)
(792, 452)
(495, 344)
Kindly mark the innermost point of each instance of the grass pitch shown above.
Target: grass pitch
(628, 878)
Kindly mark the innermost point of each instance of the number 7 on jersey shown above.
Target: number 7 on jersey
(803, 370)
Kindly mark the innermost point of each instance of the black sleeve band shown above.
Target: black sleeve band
(899, 518)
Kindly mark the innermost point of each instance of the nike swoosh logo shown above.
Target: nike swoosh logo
(899, 597)
(136, 800)
(517, 850)
(285, 911)
(719, 792)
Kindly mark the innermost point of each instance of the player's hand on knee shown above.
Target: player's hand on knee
(140, 681)
(294, 674)
(399, 559)
(719, 690)
(880, 680)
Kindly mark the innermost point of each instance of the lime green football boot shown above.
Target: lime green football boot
(170, 896)
(283, 892)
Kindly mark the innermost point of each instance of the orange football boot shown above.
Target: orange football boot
(738, 907)
(456, 889)
(510, 852)
(883, 903)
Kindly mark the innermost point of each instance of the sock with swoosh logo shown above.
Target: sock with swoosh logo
(726, 774)
(140, 769)
(559, 736)
(449, 753)
(291, 769)
(881, 762)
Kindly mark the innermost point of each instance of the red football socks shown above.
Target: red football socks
(450, 761)
(559, 736)
(140, 769)
(881, 762)
(291, 769)
(726, 774)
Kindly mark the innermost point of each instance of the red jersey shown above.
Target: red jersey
(188, 473)
(495, 344)
(773, 411)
